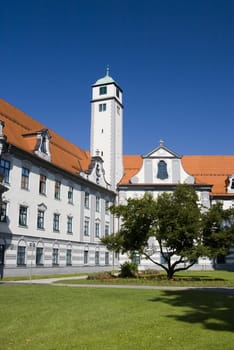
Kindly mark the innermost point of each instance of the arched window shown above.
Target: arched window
(162, 170)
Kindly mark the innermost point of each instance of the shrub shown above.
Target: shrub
(128, 269)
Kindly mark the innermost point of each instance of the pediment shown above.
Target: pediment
(161, 152)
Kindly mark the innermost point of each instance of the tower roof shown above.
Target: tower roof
(107, 79)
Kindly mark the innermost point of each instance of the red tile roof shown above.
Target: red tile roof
(207, 170)
(64, 154)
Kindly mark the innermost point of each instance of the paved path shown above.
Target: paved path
(50, 281)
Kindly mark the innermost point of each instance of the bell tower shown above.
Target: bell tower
(106, 139)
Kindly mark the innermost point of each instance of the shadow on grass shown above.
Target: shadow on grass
(214, 310)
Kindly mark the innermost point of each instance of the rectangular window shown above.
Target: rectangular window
(86, 200)
(163, 258)
(102, 90)
(97, 204)
(117, 92)
(69, 257)
(70, 195)
(40, 219)
(106, 258)
(102, 107)
(69, 224)
(57, 189)
(5, 170)
(39, 256)
(86, 257)
(23, 215)
(56, 223)
(25, 178)
(55, 256)
(106, 230)
(86, 228)
(21, 256)
(42, 184)
(221, 259)
(107, 207)
(97, 258)
(3, 211)
(97, 229)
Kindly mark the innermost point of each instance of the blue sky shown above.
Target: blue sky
(174, 60)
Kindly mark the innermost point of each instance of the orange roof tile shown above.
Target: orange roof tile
(213, 170)
(132, 165)
(207, 170)
(64, 154)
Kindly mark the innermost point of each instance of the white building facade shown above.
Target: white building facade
(54, 206)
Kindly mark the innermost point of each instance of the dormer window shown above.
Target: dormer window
(162, 170)
(102, 90)
(42, 148)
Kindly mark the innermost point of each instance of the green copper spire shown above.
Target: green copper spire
(106, 79)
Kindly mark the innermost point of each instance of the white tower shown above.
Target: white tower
(107, 127)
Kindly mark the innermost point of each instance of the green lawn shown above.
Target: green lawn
(36, 317)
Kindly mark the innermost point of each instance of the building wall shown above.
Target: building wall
(13, 235)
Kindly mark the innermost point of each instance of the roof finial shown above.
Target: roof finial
(107, 70)
(161, 142)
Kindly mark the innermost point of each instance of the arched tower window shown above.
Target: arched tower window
(162, 170)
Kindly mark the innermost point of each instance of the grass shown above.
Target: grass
(43, 317)
(182, 279)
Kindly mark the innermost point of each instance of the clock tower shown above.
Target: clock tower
(106, 139)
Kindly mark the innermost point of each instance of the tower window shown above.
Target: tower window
(162, 170)
(117, 92)
(102, 90)
(102, 107)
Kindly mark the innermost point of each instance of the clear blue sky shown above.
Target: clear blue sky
(174, 60)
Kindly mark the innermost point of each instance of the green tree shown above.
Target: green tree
(176, 221)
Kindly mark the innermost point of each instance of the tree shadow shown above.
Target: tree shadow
(213, 310)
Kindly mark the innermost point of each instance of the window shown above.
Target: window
(102, 107)
(86, 257)
(25, 178)
(97, 229)
(55, 255)
(136, 259)
(96, 258)
(40, 219)
(69, 257)
(221, 259)
(118, 109)
(42, 184)
(39, 256)
(162, 170)
(70, 195)
(5, 169)
(106, 258)
(21, 255)
(107, 207)
(117, 92)
(3, 211)
(106, 230)
(86, 200)
(56, 223)
(69, 224)
(163, 258)
(57, 189)
(86, 228)
(2, 249)
(97, 204)
(102, 90)
(23, 215)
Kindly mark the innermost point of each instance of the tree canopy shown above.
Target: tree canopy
(181, 227)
